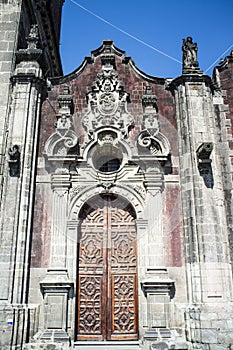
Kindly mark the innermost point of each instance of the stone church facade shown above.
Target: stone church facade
(116, 196)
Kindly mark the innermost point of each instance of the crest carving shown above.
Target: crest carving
(107, 102)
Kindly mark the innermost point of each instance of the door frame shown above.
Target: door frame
(108, 211)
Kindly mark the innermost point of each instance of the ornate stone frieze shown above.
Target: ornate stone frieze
(107, 102)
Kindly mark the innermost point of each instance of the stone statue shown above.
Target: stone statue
(14, 161)
(189, 53)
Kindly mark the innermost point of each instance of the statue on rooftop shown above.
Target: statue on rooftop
(189, 54)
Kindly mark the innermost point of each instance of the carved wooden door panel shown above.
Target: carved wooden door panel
(107, 276)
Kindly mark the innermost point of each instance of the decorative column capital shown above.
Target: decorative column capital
(158, 287)
(60, 181)
(56, 280)
(154, 181)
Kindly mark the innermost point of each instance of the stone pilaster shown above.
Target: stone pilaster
(208, 267)
(17, 205)
(57, 287)
(9, 21)
(60, 186)
(154, 184)
(207, 256)
(158, 292)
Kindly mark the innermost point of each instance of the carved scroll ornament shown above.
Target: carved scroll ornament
(64, 139)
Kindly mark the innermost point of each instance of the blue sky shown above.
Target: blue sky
(160, 24)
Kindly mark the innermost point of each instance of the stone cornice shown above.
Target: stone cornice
(224, 64)
(190, 78)
(29, 77)
(108, 50)
(45, 21)
(158, 286)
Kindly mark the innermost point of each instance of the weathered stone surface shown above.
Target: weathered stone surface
(163, 149)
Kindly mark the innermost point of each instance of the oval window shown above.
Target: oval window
(107, 159)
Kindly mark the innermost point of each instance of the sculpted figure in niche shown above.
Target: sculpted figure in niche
(189, 53)
(14, 161)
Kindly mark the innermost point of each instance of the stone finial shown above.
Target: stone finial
(149, 99)
(108, 57)
(32, 52)
(190, 63)
(65, 101)
(33, 37)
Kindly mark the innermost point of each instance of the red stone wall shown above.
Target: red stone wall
(172, 226)
(133, 84)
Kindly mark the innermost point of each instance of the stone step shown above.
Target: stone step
(106, 345)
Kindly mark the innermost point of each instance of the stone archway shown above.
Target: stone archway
(107, 270)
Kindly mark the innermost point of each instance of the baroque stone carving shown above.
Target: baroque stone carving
(64, 139)
(14, 161)
(150, 140)
(107, 102)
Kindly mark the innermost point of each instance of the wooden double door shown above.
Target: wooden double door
(107, 272)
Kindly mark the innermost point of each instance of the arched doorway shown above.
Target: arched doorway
(107, 271)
